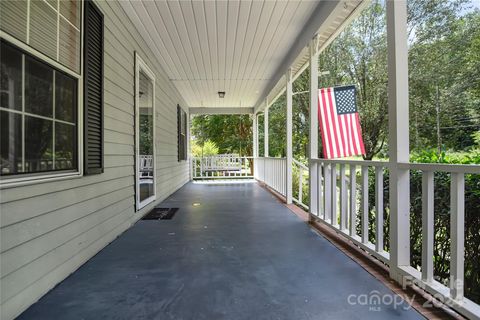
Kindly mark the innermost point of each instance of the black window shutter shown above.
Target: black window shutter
(93, 89)
(179, 133)
(185, 151)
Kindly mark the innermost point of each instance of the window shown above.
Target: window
(182, 134)
(38, 115)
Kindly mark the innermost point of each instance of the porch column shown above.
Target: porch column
(255, 143)
(189, 146)
(313, 134)
(265, 131)
(289, 137)
(255, 135)
(398, 136)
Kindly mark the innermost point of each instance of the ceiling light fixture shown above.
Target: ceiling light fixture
(221, 94)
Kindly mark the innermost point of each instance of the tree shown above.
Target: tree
(231, 133)
(358, 57)
(207, 149)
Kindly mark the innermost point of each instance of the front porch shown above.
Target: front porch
(239, 254)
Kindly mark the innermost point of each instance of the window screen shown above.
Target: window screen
(52, 30)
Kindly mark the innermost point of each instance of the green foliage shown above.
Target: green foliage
(277, 132)
(207, 149)
(444, 47)
(476, 139)
(359, 57)
(444, 82)
(230, 133)
(146, 134)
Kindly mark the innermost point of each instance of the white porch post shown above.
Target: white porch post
(398, 136)
(255, 135)
(265, 131)
(313, 135)
(189, 145)
(289, 137)
(255, 144)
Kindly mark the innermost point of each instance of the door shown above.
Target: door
(144, 133)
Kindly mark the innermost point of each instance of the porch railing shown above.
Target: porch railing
(342, 202)
(273, 172)
(343, 205)
(222, 167)
(300, 180)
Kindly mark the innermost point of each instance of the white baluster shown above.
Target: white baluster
(353, 200)
(343, 198)
(427, 226)
(379, 208)
(333, 190)
(327, 196)
(364, 205)
(457, 230)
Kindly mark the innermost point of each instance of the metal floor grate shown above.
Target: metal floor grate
(160, 214)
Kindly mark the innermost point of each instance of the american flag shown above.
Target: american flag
(339, 122)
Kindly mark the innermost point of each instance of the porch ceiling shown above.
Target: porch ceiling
(240, 47)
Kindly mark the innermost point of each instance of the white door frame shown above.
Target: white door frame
(140, 65)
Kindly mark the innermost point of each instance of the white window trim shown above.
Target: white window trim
(35, 178)
(140, 65)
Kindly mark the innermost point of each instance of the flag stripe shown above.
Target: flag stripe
(362, 146)
(336, 126)
(327, 129)
(344, 135)
(331, 115)
(323, 127)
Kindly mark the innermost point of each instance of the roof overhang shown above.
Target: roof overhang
(195, 111)
(242, 47)
(328, 21)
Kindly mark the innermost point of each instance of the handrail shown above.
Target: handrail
(298, 163)
(354, 162)
(442, 167)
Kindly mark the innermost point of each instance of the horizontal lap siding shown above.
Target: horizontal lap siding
(48, 230)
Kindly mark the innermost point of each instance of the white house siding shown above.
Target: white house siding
(48, 230)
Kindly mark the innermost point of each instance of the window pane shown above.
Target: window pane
(11, 77)
(146, 138)
(38, 144)
(65, 97)
(11, 142)
(65, 146)
(38, 88)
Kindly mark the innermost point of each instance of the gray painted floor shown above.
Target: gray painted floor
(239, 255)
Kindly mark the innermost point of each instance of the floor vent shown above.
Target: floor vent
(160, 214)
